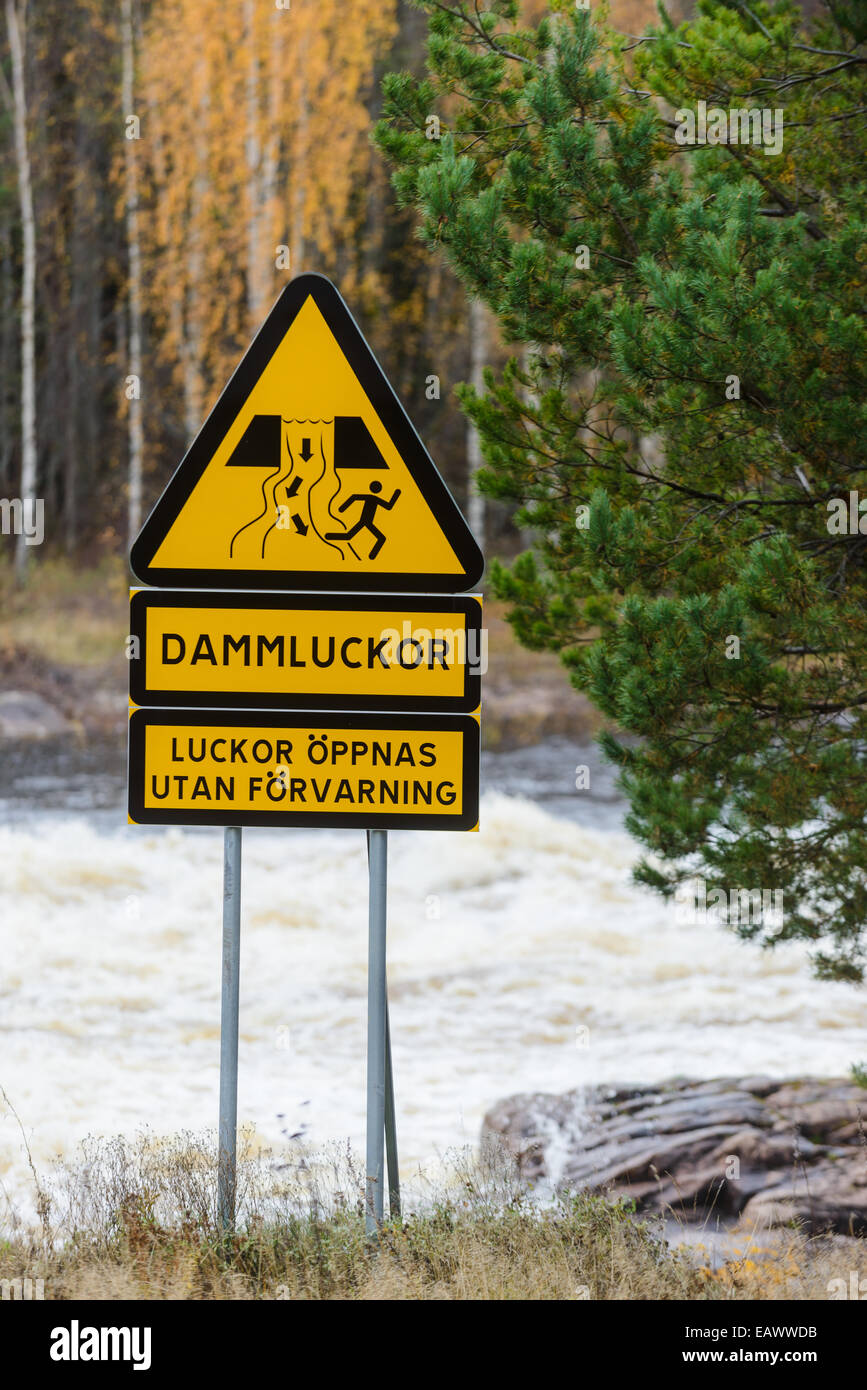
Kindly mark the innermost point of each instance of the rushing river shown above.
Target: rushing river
(520, 958)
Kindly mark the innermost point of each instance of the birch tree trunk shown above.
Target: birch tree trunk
(136, 435)
(528, 355)
(270, 234)
(78, 356)
(254, 160)
(297, 248)
(7, 345)
(478, 356)
(28, 280)
(192, 338)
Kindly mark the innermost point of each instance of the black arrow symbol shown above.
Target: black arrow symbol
(306, 451)
(296, 483)
(301, 526)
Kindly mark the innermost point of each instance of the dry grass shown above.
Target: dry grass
(67, 614)
(78, 615)
(136, 1219)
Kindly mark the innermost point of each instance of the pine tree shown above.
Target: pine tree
(686, 428)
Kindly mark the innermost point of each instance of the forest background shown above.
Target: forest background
(164, 169)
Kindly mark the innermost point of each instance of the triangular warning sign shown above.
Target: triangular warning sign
(307, 474)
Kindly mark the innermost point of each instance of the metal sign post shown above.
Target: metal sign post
(381, 1115)
(390, 1125)
(377, 867)
(227, 1159)
(345, 688)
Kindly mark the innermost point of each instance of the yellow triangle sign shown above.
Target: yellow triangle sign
(308, 474)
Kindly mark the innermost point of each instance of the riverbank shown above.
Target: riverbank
(63, 666)
(136, 1220)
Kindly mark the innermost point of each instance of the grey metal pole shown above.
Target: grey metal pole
(390, 1124)
(227, 1156)
(377, 869)
(390, 1112)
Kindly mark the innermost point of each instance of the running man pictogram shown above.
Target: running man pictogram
(370, 502)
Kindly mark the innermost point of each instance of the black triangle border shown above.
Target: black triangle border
(385, 402)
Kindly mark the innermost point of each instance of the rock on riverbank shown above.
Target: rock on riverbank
(26, 715)
(767, 1150)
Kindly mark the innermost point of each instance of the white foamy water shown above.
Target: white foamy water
(110, 977)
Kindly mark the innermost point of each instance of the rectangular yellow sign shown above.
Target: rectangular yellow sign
(305, 651)
(380, 771)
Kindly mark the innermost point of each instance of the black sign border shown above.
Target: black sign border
(421, 466)
(333, 820)
(468, 608)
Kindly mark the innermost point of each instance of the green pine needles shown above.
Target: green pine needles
(672, 233)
